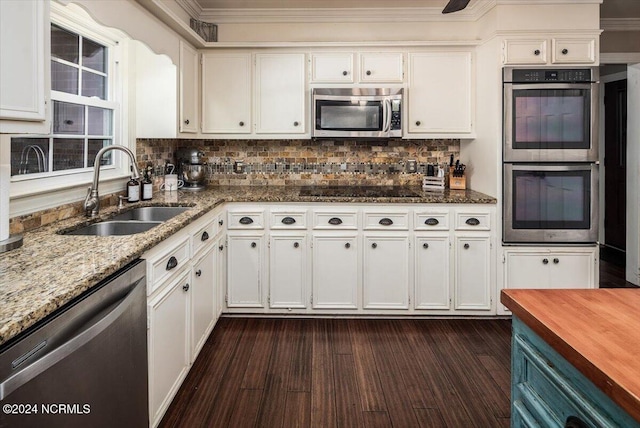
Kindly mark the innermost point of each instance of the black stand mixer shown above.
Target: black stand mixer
(191, 168)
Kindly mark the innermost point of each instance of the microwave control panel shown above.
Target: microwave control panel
(396, 117)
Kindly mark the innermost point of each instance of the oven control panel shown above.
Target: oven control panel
(546, 75)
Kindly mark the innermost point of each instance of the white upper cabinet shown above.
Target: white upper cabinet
(543, 51)
(381, 67)
(440, 95)
(188, 88)
(332, 68)
(280, 98)
(24, 70)
(226, 93)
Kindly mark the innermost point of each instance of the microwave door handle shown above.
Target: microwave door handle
(387, 115)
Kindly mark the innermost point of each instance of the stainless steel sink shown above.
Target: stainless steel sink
(150, 213)
(113, 228)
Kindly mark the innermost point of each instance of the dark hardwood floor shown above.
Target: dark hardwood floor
(260, 372)
(612, 264)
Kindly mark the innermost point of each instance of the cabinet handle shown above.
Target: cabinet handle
(545, 261)
(374, 245)
(368, 73)
(221, 222)
(288, 220)
(198, 272)
(296, 123)
(575, 422)
(536, 52)
(173, 262)
(246, 220)
(335, 221)
(565, 51)
(185, 287)
(556, 261)
(296, 245)
(241, 124)
(344, 73)
(418, 123)
(385, 222)
(472, 221)
(425, 245)
(431, 221)
(253, 245)
(221, 247)
(204, 236)
(186, 122)
(466, 246)
(347, 245)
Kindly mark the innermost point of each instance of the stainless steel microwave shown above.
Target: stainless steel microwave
(357, 112)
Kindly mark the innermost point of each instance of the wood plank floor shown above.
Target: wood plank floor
(260, 372)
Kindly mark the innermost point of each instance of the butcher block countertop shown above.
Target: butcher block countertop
(597, 331)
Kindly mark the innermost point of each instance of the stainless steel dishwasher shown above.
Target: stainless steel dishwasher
(84, 366)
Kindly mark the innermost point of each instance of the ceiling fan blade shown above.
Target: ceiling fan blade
(455, 6)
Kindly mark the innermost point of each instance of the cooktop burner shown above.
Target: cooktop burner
(361, 191)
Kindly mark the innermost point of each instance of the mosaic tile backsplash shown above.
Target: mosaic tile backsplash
(306, 162)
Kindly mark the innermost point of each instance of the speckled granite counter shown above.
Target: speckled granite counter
(50, 269)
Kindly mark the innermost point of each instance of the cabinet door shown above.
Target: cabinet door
(188, 88)
(24, 27)
(381, 67)
(280, 94)
(203, 300)
(525, 51)
(244, 275)
(526, 270)
(168, 339)
(574, 51)
(335, 272)
(472, 273)
(440, 93)
(226, 93)
(572, 270)
(287, 271)
(332, 68)
(386, 272)
(432, 272)
(221, 277)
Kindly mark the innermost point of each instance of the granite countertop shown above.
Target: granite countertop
(594, 330)
(50, 269)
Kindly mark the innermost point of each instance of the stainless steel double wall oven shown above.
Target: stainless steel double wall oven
(550, 156)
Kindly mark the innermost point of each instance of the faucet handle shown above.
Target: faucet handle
(121, 200)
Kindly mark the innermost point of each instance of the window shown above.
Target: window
(83, 111)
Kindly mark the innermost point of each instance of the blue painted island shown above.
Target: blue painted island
(575, 358)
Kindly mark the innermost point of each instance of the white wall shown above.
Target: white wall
(633, 170)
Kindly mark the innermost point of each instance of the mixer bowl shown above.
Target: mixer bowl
(194, 173)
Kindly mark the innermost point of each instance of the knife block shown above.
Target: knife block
(457, 183)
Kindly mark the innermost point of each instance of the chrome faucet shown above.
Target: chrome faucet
(92, 201)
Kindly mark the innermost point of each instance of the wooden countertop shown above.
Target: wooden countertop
(597, 331)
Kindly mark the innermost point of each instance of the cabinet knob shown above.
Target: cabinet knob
(545, 261)
(536, 52)
(556, 261)
(425, 245)
(221, 222)
(368, 73)
(374, 245)
(565, 51)
(254, 245)
(204, 236)
(221, 247)
(198, 272)
(241, 124)
(185, 287)
(296, 123)
(418, 123)
(186, 122)
(347, 245)
(296, 245)
(172, 262)
(466, 246)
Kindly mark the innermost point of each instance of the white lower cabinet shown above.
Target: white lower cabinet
(432, 272)
(335, 272)
(386, 272)
(203, 299)
(245, 270)
(288, 271)
(168, 341)
(472, 277)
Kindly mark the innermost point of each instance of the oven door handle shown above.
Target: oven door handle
(548, 86)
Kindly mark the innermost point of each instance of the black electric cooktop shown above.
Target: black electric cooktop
(361, 191)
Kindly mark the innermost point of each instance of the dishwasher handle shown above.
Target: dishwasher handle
(89, 331)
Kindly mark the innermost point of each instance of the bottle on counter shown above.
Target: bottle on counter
(147, 184)
(133, 190)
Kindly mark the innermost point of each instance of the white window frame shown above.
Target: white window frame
(35, 192)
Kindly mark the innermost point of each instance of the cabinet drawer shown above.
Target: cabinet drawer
(575, 51)
(335, 220)
(288, 220)
(203, 236)
(166, 264)
(525, 51)
(473, 221)
(431, 221)
(245, 220)
(386, 221)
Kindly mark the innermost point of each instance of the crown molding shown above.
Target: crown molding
(552, 2)
(192, 7)
(620, 24)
